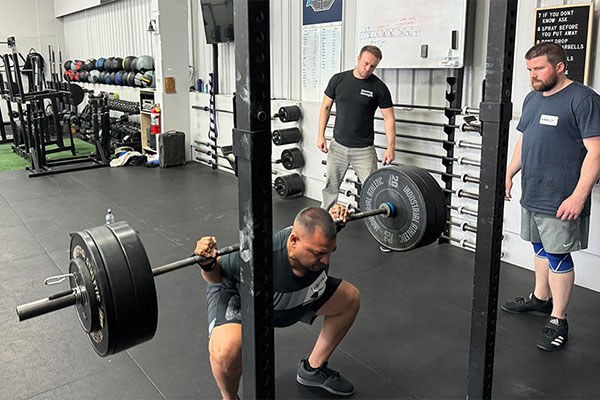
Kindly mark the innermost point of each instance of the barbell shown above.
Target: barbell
(112, 282)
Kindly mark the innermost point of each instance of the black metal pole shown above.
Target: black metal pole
(252, 147)
(495, 115)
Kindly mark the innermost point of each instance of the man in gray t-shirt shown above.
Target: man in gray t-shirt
(558, 154)
(302, 291)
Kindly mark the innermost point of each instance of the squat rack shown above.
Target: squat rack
(251, 142)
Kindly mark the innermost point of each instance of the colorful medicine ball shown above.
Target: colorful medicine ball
(77, 66)
(138, 79)
(94, 76)
(90, 64)
(145, 63)
(100, 63)
(119, 77)
(148, 79)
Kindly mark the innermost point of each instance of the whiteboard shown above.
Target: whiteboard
(413, 33)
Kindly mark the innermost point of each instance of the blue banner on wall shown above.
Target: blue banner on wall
(321, 11)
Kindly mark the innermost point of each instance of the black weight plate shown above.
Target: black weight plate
(407, 228)
(286, 136)
(289, 185)
(292, 158)
(87, 305)
(436, 203)
(76, 93)
(289, 113)
(142, 278)
(126, 307)
(82, 246)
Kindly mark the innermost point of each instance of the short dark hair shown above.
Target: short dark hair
(553, 52)
(311, 218)
(373, 50)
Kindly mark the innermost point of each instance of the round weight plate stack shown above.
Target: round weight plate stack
(119, 246)
(289, 113)
(289, 185)
(417, 220)
(142, 278)
(286, 136)
(436, 203)
(292, 158)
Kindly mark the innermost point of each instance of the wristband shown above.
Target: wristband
(209, 267)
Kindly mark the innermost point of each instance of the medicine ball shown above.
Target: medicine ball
(102, 77)
(118, 64)
(78, 66)
(83, 75)
(138, 79)
(133, 65)
(119, 77)
(108, 64)
(94, 76)
(100, 63)
(131, 78)
(77, 76)
(145, 63)
(67, 64)
(66, 76)
(148, 79)
(107, 78)
(90, 64)
(127, 63)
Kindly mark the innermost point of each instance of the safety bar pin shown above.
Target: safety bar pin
(53, 280)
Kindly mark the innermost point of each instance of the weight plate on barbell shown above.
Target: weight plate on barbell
(416, 220)
(129, 328)
(436, 202)
(83, 247)
(142, 279)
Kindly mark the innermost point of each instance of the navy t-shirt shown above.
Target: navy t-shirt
(552, 154)
(292, 295)
(356, 101)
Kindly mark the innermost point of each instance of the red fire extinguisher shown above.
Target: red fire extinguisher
(155, 119)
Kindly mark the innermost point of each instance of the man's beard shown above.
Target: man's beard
(546, 85)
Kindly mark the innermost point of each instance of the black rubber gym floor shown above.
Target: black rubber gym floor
(410, 340)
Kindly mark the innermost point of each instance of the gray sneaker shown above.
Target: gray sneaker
(324, 378)
(530, 304)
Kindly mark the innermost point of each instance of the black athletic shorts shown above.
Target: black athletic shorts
(224, 305)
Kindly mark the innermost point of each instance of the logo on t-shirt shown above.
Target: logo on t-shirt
(364, 92)
(551, 120)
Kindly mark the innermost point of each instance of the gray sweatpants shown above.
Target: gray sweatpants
(339, 158)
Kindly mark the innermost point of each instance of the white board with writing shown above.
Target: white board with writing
(414, 33)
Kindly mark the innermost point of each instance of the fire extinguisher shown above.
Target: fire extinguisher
(155, 119)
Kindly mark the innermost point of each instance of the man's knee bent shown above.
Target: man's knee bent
(350, 296)
(225, 346)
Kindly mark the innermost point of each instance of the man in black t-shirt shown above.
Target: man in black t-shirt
(302, 291)
(357, 94)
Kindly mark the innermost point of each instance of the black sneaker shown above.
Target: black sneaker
(529, 304)
(554, 334)
(324, 378)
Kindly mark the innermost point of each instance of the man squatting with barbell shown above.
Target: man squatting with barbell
(302, 291)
